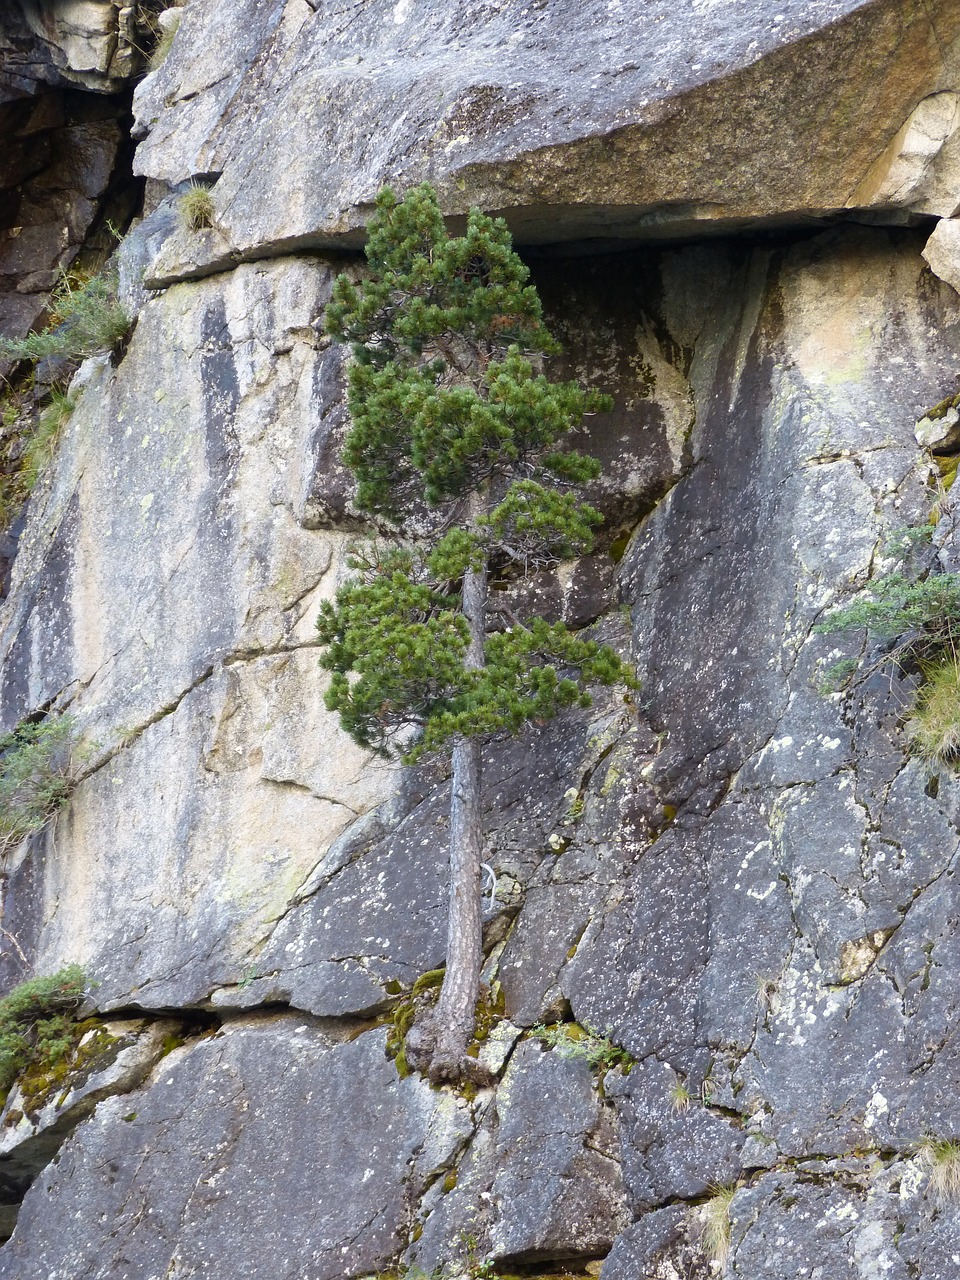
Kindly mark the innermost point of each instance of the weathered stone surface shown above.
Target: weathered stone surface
(745, 882)
(540, 1180)
(580, 121)
(235, 1160)
(660, 1246)
(176, 489)
(113, 1058)
(96, 44)
(942, 251)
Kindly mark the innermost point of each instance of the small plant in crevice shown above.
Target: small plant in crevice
(164, 40)
(38, 773)
(576, 1040)
(941, 1159)
(917, 621)
(766, 991)
(715, 1222)
(196, 208)
(680, 1096)
(37, 1026)
(39, 445)
(85, 319)
(28, 440)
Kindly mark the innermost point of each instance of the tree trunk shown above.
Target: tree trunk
(455, 1014)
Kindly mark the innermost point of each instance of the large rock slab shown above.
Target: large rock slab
(165, 582)
(782, 949)
(267, 1150)
(580, 121)
(541, 1178)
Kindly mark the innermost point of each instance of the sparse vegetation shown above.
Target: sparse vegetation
(37, 1026)
(941, 1159)
(38, 772)
(164, 37)
(715, 1227)
(28, 441)
(573, 1040)
(766, 990)
(916, 617)
(934, 727)
(40, 444)
(680, 1097)
(85, 319)
(196, 208)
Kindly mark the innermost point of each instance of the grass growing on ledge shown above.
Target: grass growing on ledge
(196, 208)
(37, 1026)
(715, 1230)
(934, 728)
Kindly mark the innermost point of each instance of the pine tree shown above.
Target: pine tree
(456, 429)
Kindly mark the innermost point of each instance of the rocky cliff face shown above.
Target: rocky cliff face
(750, 886)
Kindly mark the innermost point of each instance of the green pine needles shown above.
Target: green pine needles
(451, 412)
(456, 431)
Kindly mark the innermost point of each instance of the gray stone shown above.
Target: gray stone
(541, 1180)
(112, 1058)
(942, 251)
(660, 1245)
(939, 435)
(674, 1147)
(188, 1174)
(580, 121)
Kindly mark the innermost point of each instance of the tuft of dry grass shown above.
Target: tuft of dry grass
(941, 1158)
(196, 208)
(934, 728)
(715, 1228)
(680, 1097)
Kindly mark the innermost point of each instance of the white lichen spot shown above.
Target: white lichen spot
(762, 897)
(875, 1108)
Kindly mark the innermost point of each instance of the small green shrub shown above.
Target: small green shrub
(196, 208)
(715, 1228)
(38, 772)
(86, 319)
(920, 618)
(36, 1022)
(941, 1158)
(573, 1040)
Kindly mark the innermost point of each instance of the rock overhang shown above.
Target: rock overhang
(577, 123)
